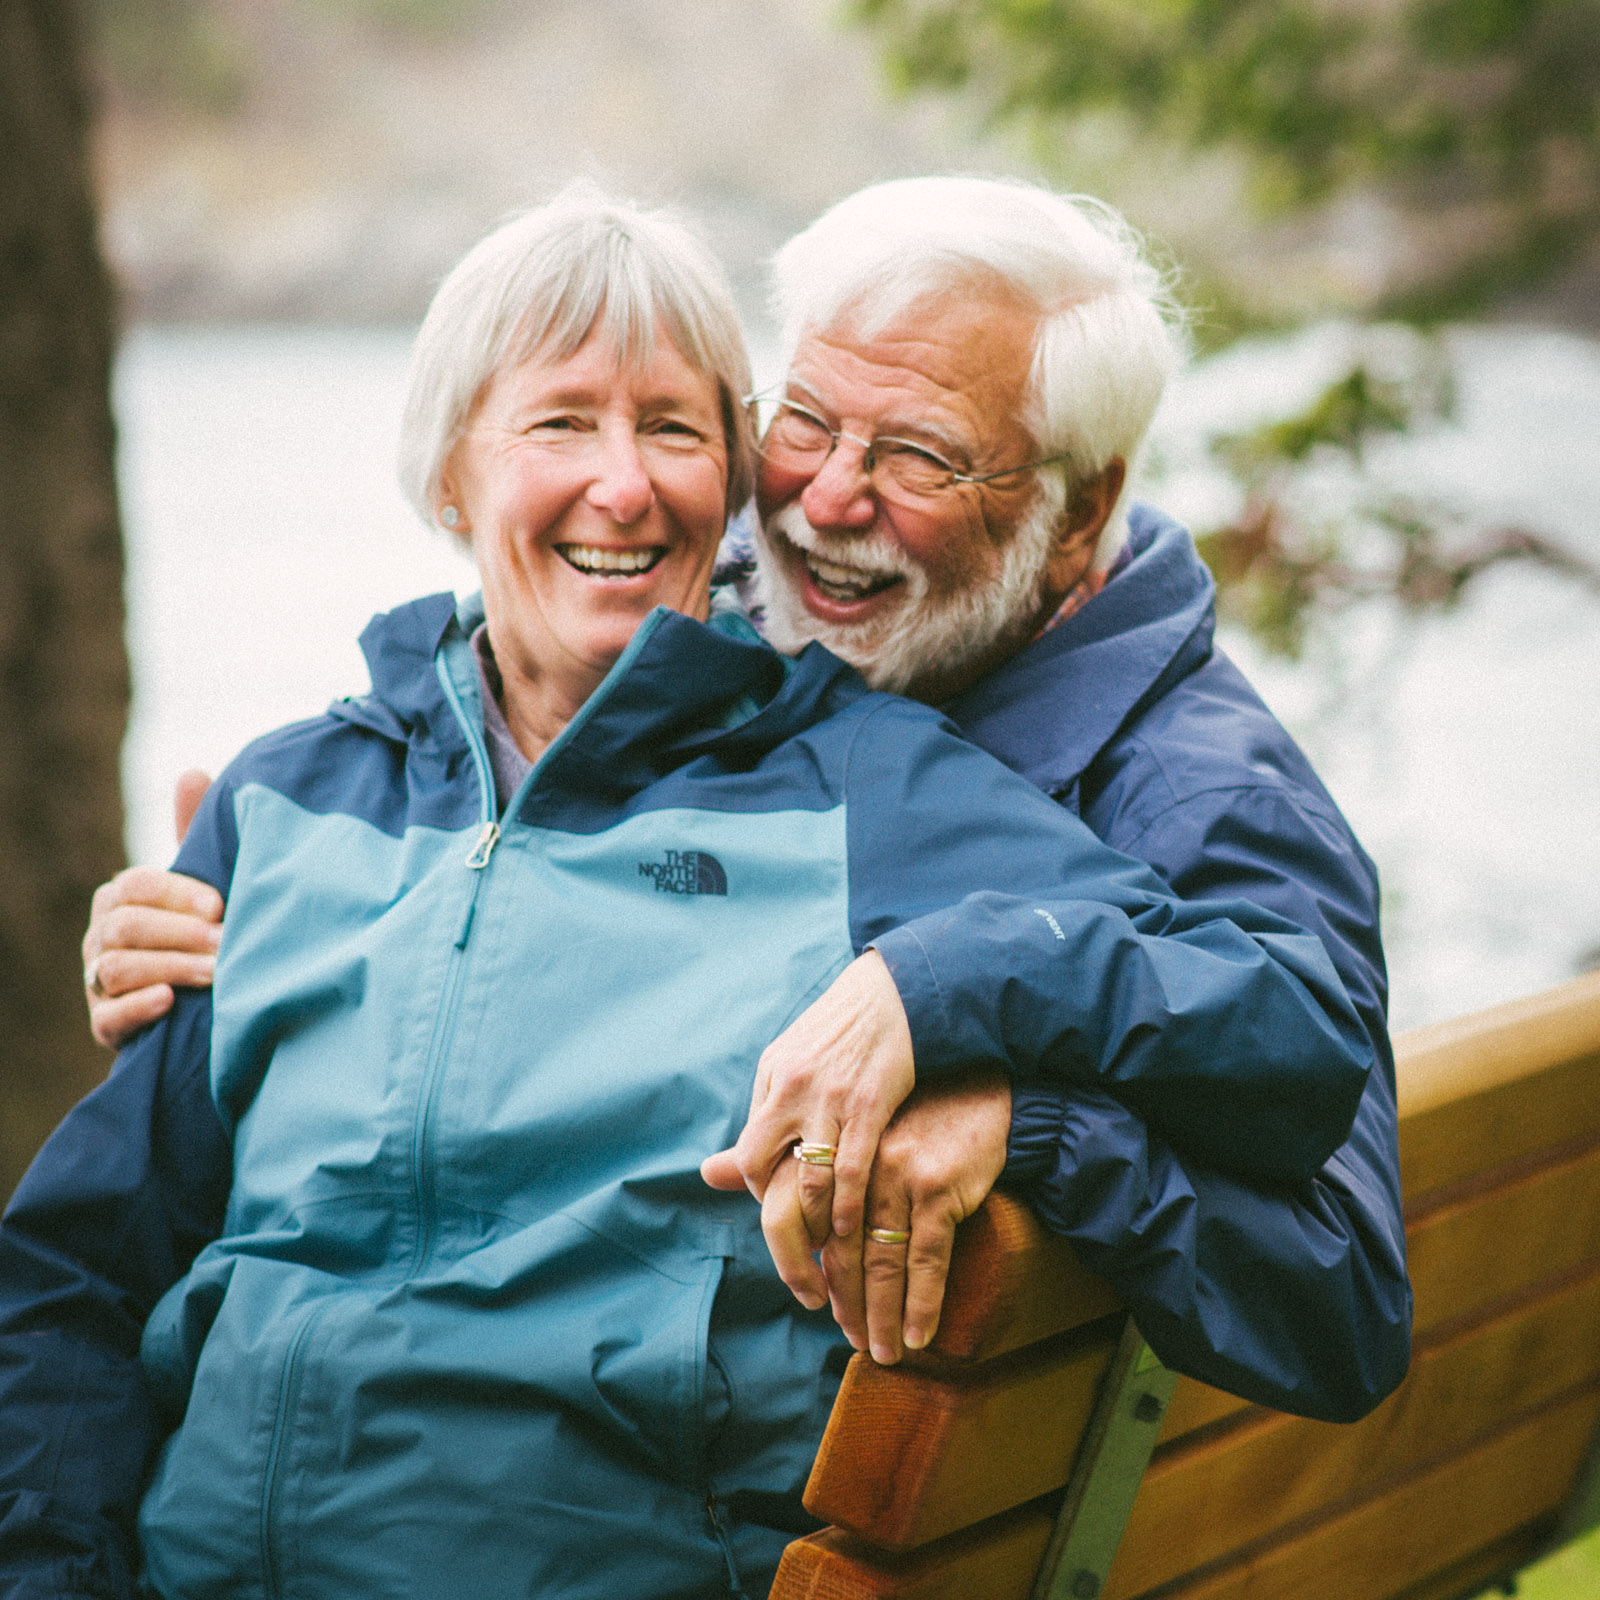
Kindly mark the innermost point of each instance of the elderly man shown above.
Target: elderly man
(971, 369)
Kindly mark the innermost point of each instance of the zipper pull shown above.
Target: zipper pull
(484, 848)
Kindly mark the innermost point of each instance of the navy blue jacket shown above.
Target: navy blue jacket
(1291, 1293)
(332, 1196)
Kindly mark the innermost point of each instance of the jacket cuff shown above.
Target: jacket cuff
(1038, 1130)
(907, 960)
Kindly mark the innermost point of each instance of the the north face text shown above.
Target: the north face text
(686, 872)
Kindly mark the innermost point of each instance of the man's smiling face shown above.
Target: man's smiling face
(919, 593)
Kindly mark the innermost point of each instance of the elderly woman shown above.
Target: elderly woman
(385, 1268)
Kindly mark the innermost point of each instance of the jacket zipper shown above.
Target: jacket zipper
(714, 1517)
(477, 863)
(287, 1393)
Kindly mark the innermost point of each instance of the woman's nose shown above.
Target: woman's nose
(840, 495)
(621, 486)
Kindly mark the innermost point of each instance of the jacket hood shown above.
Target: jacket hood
(1150, 626)
(680, 689)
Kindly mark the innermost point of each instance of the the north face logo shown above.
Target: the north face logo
(686, 872)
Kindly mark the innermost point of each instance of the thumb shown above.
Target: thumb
(721, 1171)
(191, 790)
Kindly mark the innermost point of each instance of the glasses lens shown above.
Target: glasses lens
(798, 433)
(904, 468)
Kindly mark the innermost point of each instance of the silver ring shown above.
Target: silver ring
(890, 1235)
(91, 980)
(815, 1154)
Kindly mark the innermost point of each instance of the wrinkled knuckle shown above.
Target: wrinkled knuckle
(120, 927)
(897, 1144)
(112, 971)
(851, 1170)
(138, 883)
(816, 1183)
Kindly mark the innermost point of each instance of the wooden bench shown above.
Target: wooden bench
(1004, 1462)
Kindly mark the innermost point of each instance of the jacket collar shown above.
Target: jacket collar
(1151, 625)
(680, 689)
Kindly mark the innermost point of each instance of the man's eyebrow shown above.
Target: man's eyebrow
(913, 431)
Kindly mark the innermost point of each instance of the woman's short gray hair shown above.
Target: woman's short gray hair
(540, 284)
(1109, 332)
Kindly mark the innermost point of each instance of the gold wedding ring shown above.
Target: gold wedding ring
(890, 1235)
(815, 1155)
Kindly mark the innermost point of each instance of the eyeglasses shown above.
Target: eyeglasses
(795, 437)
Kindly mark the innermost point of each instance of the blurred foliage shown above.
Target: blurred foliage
(1483, 113)
(1447, 103)
(1316, 534)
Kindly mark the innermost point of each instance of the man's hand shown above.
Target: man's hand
(833, 1077)
(149, 930)
(937, 1161)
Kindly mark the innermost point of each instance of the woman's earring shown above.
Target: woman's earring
(449, 516)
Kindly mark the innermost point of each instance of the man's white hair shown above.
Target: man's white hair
(540, 284)
(1109, 331)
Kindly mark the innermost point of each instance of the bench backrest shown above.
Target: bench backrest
(942, 1477)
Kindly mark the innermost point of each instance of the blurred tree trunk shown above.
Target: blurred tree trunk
(63, 665)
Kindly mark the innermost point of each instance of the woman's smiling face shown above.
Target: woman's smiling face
(591, 492)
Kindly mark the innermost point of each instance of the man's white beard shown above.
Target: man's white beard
(919, 636)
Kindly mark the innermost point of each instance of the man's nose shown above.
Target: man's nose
(620, 485)
(840, 495)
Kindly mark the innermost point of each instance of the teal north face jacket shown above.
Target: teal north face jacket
(468, 1322)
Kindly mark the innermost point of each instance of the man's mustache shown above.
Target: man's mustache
(872, 555)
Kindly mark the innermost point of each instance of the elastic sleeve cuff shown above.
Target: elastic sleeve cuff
(1038, 1129)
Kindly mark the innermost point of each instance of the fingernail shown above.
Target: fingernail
(915, 1338)
(214, 934)
(812, 1302)
(885, 1355)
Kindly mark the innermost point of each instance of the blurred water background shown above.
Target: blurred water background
(264, 528)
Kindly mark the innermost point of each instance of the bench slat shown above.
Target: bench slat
(918, 1456)
(994, 1562)
(1431, 1521)
(1490, 1088)
(1469, 1254)
(1199, 1502)
(1012, 1283)
(1197, 1405)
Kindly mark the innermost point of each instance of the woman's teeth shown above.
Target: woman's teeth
(846, 583)
(591, 558)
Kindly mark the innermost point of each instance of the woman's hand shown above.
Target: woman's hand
(149, 930)
(832, 1078)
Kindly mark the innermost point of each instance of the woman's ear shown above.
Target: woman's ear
(448, 505)
(1082, 523)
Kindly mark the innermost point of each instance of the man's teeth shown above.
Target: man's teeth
(591, 558)
(847, 583)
